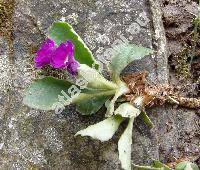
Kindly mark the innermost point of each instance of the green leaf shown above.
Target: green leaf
(186, 166)
(91, 106)
(93, 79)
(43, 94)
(90, 101)
(98, 90)
(123, 55)
(146, 119)
(158, 164)
(122, 89)
(124, 146)
(87, 94)
(61, 32)
(127, 110)
(137, 167)
(103, 130)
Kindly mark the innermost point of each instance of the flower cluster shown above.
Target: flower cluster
(57, 57)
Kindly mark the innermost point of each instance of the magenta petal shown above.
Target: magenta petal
(70, 46)
(42, 62)
(43, 56)
(72, 64)
(61, 54)
(72, 68)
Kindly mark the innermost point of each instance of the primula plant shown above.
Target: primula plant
(124, 97)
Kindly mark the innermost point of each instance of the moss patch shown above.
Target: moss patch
(6, 16)
(6, 23)
(180, 64)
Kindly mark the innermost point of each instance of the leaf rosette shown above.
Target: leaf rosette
(45, 93)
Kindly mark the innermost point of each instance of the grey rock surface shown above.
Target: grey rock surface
(32, 139)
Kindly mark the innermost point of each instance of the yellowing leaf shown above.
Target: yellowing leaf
(122, 89)
(93, 79)
(127, 110)
(124, 146)
(103, 130)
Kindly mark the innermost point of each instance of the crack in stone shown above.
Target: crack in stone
(160, 42)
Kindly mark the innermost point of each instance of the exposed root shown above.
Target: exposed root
(155, 94)
(193, 103)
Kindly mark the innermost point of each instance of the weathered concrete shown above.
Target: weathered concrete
(43, 140)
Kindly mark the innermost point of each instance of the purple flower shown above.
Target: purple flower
(62, 54)
(72, 67)
(43, 56)
(60, 57)
(72, 64)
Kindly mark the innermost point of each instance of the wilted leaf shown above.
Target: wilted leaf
(103, 130)
(123, 55)
(124, 146)
(43, 94)
(127, 110)
(93, 79)
(186, 166)
(61, 32)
